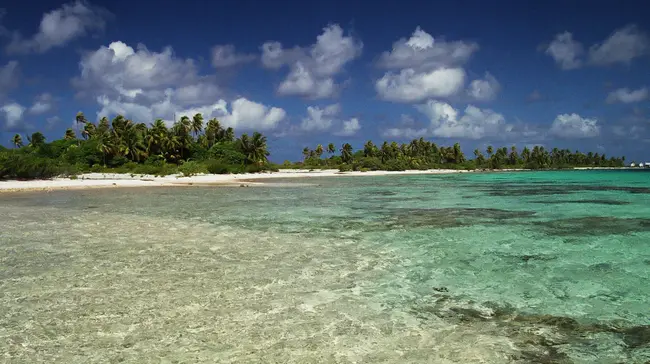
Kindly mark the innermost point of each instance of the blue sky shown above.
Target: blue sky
(567, 74)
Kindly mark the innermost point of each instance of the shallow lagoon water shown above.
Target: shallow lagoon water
(529, 267)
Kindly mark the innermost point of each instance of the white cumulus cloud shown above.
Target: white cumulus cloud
(447, 122)
(412, 86)
(474, 123)
(627, 96)
(421, 50)
(13, 114)
(574, 126)
(43, 104)
(226, 56)
(313, 68)
(320, 119)
(349, 127)
(566, 51)
(485, 89)
(60, 26)
(146, 85)
(422, 67)
(621, 46)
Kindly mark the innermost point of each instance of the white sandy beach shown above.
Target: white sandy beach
(109, 180)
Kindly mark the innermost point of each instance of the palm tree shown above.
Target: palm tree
(186, 124)
(37, 139)
(229, 135)
(80, 119)
(69, 134)
(331, 149)
(254, 148)
(305, 153)
(89, 130)
(104, 125)
(213, 132)
(369, 149)
(17, 141)
(258, 151)
(319, 151)
(346, 153)
(104, 145)
(197, 124)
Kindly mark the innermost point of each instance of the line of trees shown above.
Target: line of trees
(424, 154)
(189, 146)
(193, 146)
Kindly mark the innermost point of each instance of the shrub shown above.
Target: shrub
(345, 168)
(254, 168)
(395, 165)
(227, 152)
(219, 167)
(190, 168)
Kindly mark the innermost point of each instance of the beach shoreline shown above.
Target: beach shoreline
(117, 180)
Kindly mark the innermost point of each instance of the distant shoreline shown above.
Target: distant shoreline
(117, 180)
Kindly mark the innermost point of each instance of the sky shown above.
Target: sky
(570, 74)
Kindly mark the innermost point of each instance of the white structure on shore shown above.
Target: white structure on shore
(632, 165)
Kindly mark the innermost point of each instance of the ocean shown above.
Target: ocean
(511, 267)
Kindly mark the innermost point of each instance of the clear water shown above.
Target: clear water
(530, 267)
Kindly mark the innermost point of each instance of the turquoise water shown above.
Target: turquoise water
(527, 267)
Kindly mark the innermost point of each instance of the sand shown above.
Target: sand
(112, 180)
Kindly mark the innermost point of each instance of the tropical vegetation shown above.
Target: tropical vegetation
(189, 146)
(192, 146)
(423, 154)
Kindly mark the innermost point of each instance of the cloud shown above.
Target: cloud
(447, 122)
(60, 26)
(475, 123)
(349, 128)
(405, 133)
(313, 68)
(43, 104)
(572, 126)
(421, 68)
(627, 96)
(412, 86)
(484, 89)
(565, 51)
(13, 114)
(9, 75)
(246, 114)
(226, 56)
(320, 119)
(119, 71)
(301, 81)
(621, 46)
(421, 50)
(146, 85)
(242, 115)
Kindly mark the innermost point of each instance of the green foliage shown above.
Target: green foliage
(227, 152)
(345, 168)
(422, 154)
(220, 167)
(26, 166)
(395, 165)
(191, 168)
